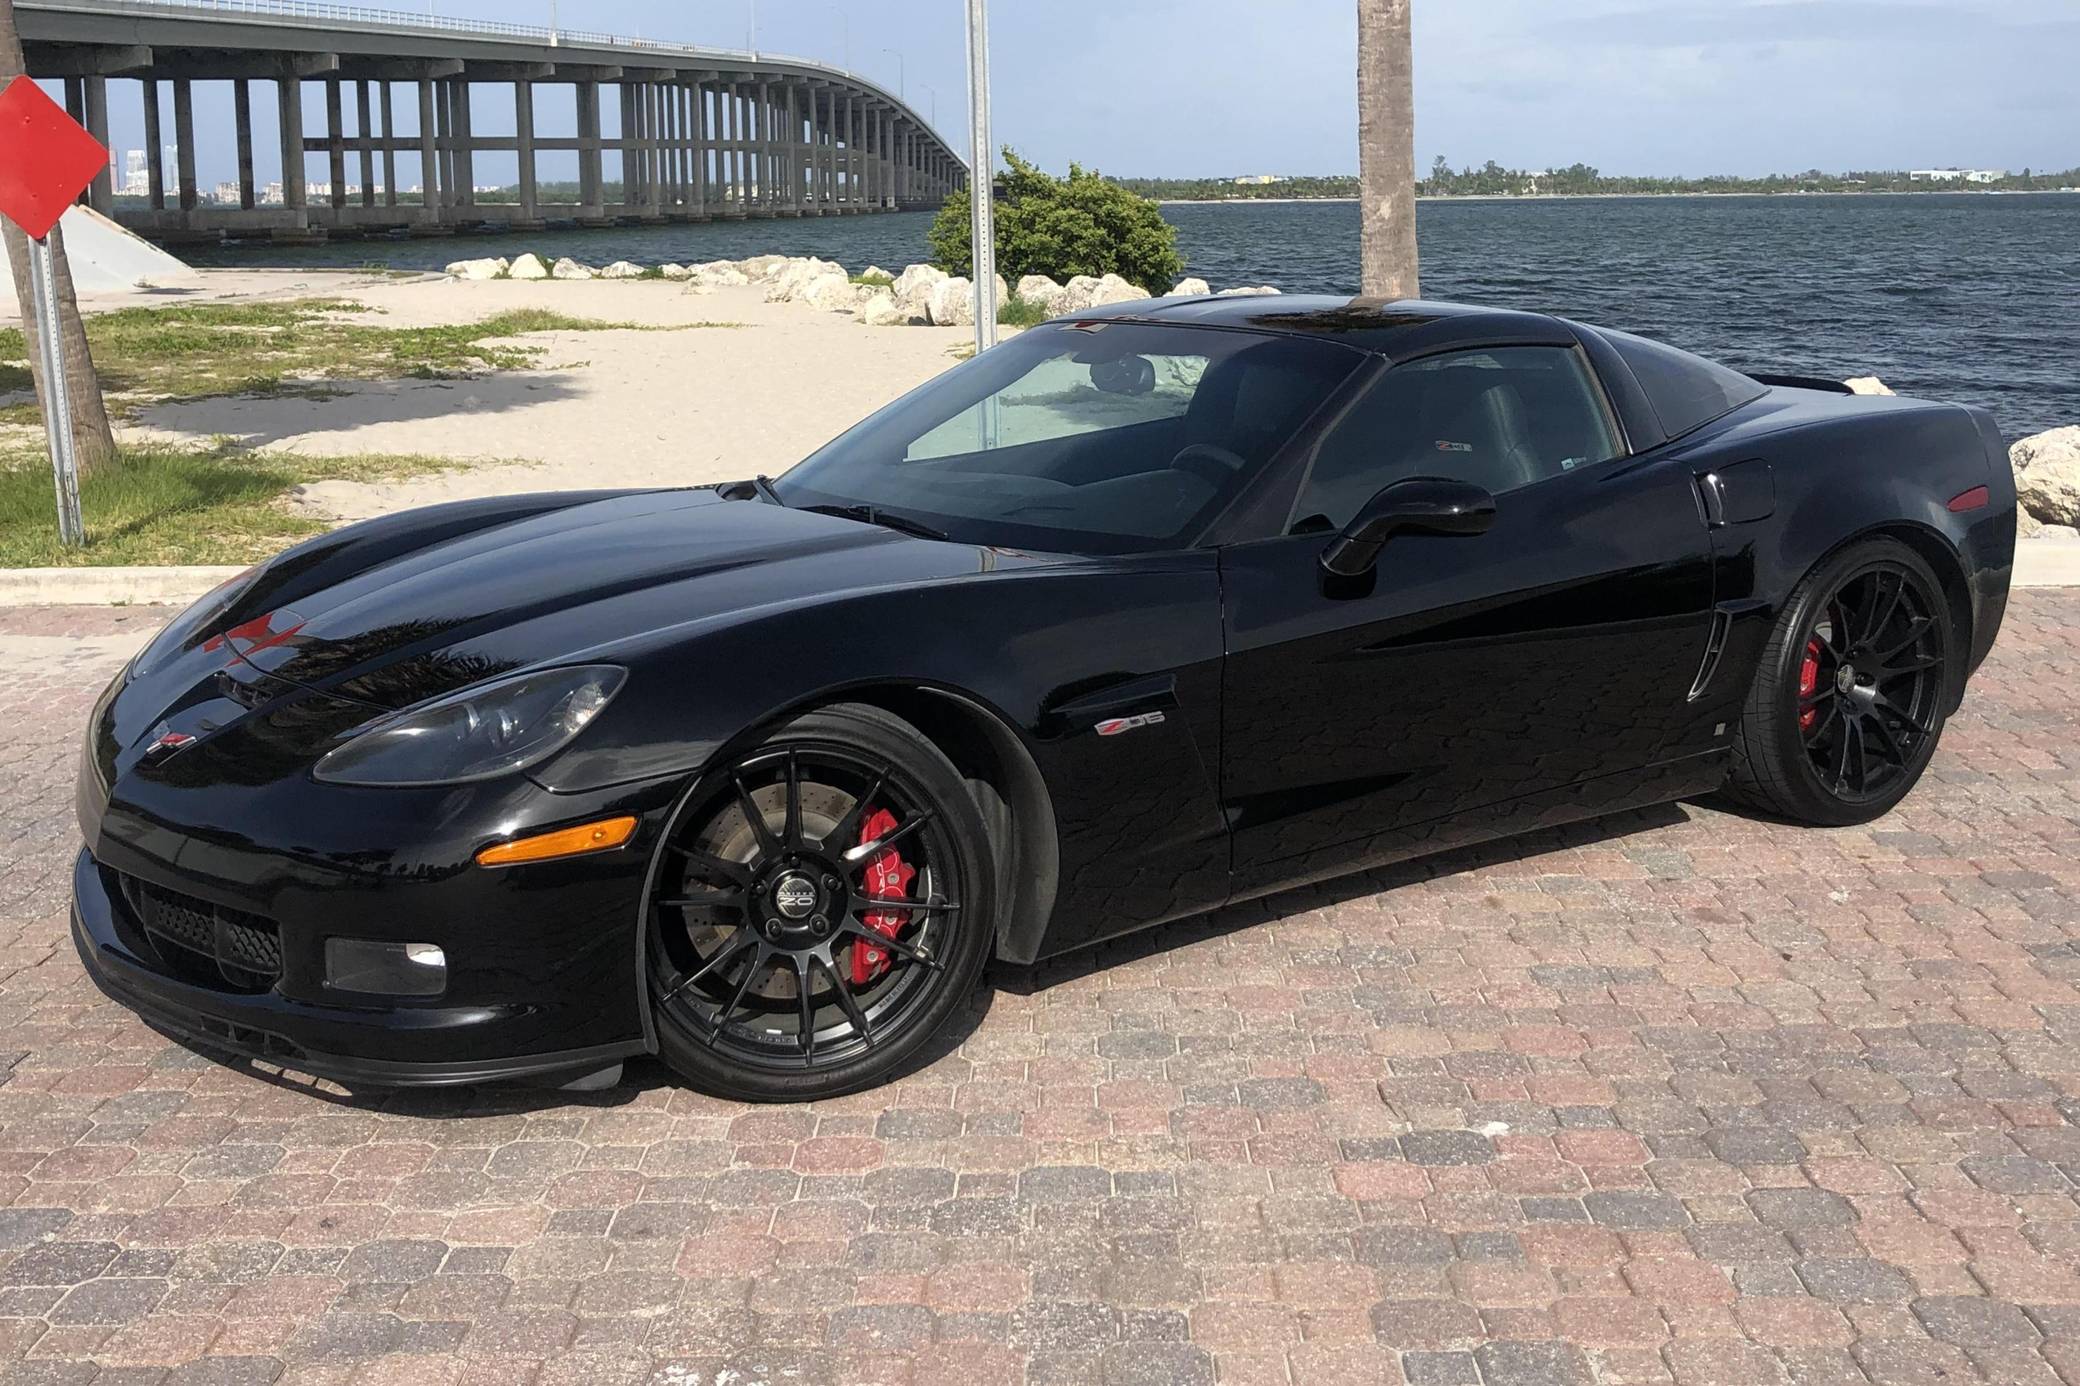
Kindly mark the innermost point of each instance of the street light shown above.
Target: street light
(929, 91)
(901, 81)
(983, 234)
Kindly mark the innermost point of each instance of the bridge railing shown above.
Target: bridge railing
(433, 23)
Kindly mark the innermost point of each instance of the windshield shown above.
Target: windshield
(1100, 437)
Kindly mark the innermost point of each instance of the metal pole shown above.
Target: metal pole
(57, 411)
(983, 232)
(902, 82)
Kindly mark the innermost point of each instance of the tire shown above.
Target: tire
(772, 976)
(1822, 741)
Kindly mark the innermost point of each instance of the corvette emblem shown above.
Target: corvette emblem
(166, 744)
(1113, 726)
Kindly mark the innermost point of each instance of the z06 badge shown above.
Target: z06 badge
(1113, 726)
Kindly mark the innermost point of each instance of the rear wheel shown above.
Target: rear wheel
(1851, 694)
(823, 909)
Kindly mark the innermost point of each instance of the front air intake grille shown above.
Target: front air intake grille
(208, 944)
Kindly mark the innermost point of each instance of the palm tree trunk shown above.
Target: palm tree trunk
(1387, 149)
(94, 440)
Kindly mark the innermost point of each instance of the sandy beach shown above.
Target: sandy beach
(704, 402)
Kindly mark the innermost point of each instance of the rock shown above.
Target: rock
(1042, 292)
(675, 271)
(761, 266)
(622, 269)
(528, 267)
(788, 282)
(718, 274)
(1867, 385)
(2047, 475)
(1076, 294)
(1246, 291)
(2027, 526)
(952, 303)
(1190, 288)
(881, 308)
(914, 276)
(832, 293)
(479, 269)
(1113, 289)
(567, 268)
(876, 272)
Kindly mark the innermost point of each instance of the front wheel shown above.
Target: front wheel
(823, 908)
(1852, 690)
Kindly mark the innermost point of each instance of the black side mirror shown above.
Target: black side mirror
(1419, 505)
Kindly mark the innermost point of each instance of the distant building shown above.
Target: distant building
(226, 193)
(1259, 180)
(137, 178)
(1957, 175)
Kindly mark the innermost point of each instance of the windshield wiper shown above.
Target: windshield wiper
(874, 515)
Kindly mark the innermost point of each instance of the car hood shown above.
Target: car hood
(557, 583)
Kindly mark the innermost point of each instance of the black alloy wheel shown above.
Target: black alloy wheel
(821, 908)
(1852, 692)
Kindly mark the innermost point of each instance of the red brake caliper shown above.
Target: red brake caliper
(888, 878)
(1809, 682)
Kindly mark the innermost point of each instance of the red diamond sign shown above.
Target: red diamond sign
(46, 158)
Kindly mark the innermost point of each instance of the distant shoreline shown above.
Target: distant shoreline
(1627, 196)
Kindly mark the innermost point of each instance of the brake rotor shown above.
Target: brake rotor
(729, 837)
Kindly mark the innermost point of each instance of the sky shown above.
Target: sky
(1193, 88)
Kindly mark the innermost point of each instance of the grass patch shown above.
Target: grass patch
(218, 504)
(202, 350)
(875, 281)
(1017, 312)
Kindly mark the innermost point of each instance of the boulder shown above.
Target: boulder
(1042, 292)
(832, 293)
(675, 271)
(528, 267)
(1113, 289)
(916, 276)
(761, 266)
(1077, 294)
(717, 274)
(952, 303)
(622, 269)
(1246, 291)
(881, 308)
(2047, 475)
(567, 268)
(479, 269)
(1190, 288)
(789, 281)
(2027, 526)
(876, 272)
(1867, 385)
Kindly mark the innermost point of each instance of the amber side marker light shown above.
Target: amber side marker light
(564, 842)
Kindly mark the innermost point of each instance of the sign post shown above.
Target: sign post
(981, 182)
(46, 160)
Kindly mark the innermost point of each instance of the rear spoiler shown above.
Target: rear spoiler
(1801, 382)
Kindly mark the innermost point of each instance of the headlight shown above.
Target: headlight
(491, 729)
(196, 620)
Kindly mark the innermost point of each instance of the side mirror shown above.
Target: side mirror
(1418, 505)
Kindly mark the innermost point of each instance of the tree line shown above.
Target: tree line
(1579, 180)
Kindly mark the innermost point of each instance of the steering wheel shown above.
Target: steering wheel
(1214, 465)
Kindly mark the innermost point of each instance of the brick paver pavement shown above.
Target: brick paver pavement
(1676, 1097)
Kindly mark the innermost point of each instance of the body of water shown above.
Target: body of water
(1965, 297)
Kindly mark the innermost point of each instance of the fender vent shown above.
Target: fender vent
(1714, 647)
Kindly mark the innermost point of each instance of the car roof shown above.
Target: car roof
(1400, 329)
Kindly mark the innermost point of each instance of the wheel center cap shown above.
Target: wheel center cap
(1845, 678)
(795, 896)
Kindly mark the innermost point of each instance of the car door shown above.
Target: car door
(1462, 672)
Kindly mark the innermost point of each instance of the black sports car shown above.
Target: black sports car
(1142, 612)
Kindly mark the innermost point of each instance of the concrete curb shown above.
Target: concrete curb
(108, 586)
(2038, 563)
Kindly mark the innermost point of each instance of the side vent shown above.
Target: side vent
(1714, 647)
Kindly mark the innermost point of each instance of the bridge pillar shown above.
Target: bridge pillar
(592, 209)
(429, 155)
(335, 146)
(184, 140)
(699, 94)
(389, 116)
(364, 123)
(288, 93)
(734, 182)
(155, 161)
(465, 147)
(523, 131)
(101, 193)
(242, 120)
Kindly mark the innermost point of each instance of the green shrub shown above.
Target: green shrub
(1063, 227)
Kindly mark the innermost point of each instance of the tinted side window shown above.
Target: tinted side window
(1501, 418)
(1687, 391)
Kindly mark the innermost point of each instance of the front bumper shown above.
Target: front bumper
(347, 1043)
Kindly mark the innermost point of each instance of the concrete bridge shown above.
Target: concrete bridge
(703, 133)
